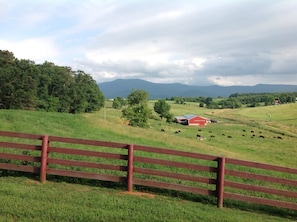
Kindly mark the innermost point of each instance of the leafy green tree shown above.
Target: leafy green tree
(179, 100)
(269, 100)
(162, 108)
(87, 97)
(212, 105)
(118, 103)
(137, 112)
(25, 85)
(17, 82)
(208, 101)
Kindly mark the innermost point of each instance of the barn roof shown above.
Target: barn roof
(187, 116)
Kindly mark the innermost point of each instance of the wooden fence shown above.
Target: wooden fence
(223, 178)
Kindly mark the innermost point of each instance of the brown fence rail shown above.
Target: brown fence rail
(223, 178)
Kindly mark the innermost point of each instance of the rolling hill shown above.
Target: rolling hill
(123, 87)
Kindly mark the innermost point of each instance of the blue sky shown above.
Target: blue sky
(201, 42)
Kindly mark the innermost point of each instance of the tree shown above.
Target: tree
(208, 101)
(25, 85)
(162, 108)
(269, 100)
(118, 103)
(137, 112)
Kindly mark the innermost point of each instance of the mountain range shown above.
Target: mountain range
(123, 87)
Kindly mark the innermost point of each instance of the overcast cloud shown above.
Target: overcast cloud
(202, 42)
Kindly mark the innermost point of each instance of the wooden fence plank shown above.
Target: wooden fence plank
(19, 157)
(21, 135)
(130, 168)
(261, 201)
(86, 164)
(86, 175)
(22, 168)
(88, 153)
(175, 164)
(177, 176)
(261, 166)
(20, 146)
(220, 182)
(176, 187)
(87, 142)
(261, 189)
(175, 152)
(260, 177)
(44, 156)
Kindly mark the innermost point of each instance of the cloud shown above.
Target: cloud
(35, 49)
(194, 42)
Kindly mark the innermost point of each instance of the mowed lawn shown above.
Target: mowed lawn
(25, 199)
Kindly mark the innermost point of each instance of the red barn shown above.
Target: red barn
(192, 120)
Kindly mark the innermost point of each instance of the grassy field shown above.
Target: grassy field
(25, 199)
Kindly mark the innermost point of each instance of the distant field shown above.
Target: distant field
(60, 201)
(107, 125)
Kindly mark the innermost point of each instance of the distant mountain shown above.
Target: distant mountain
(123, 87)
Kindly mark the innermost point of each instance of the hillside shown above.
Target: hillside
(122, 87)
(96, 201)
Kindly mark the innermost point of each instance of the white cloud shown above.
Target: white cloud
(196, 42)
(35, 49)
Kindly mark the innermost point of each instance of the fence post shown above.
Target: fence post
(43, 161)
(220, 181)
(130, 168)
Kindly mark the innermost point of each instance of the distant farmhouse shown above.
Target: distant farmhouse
(277, 102)
(192, 120)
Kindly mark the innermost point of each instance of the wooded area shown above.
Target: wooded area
(236, 100)
(48, 87)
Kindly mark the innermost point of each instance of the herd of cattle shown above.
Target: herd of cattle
(250, 133)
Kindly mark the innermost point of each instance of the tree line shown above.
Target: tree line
(48, 87)
(237, 100)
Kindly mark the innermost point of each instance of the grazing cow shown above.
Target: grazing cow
(229, 136)
(162, 130)
(252, 131)
(261, 136)
(279, 137)
(243, 130)
(212, 136)
(223, 134)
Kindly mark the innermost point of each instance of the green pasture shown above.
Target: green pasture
(60, 201)
(24, 199)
